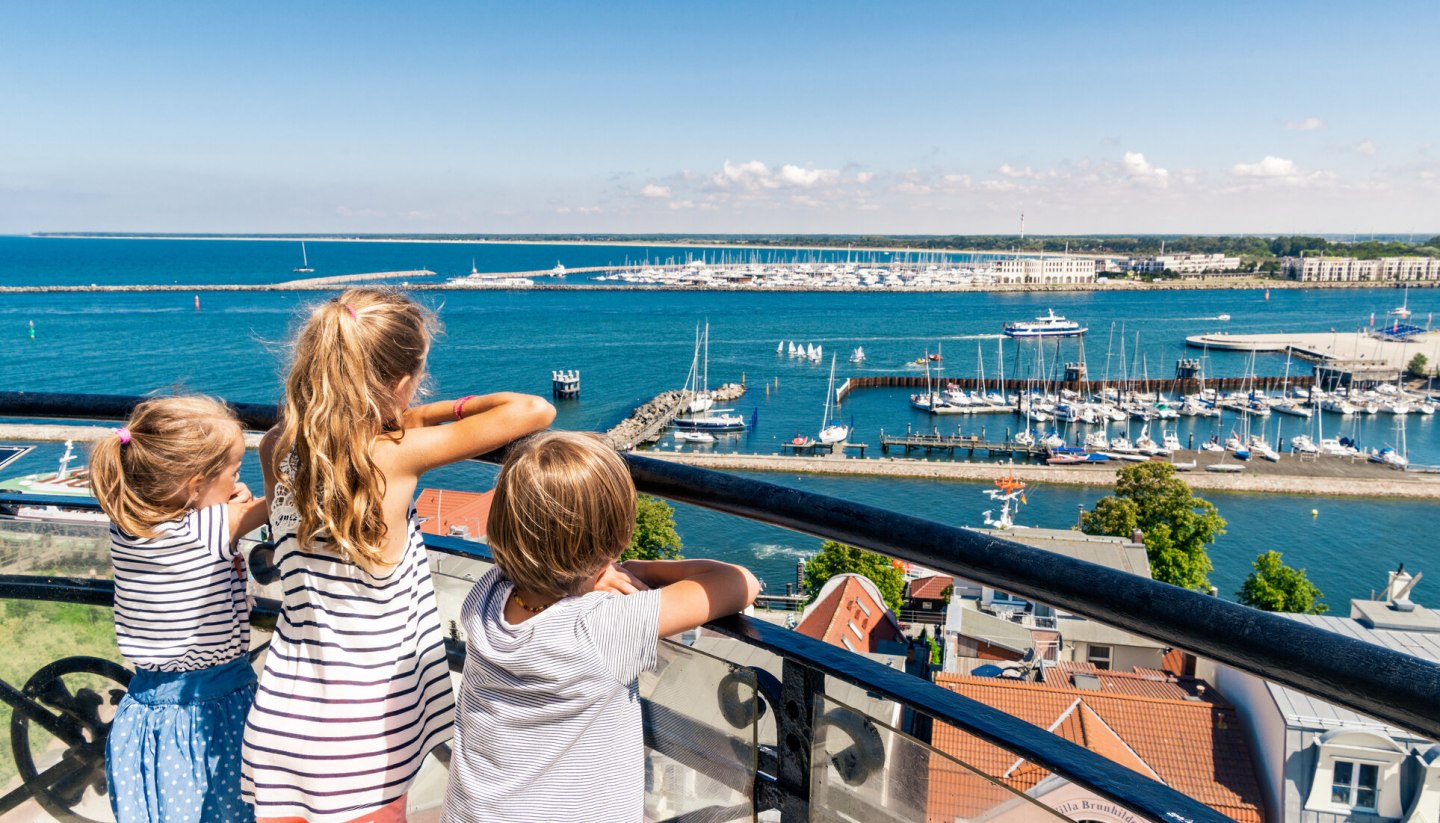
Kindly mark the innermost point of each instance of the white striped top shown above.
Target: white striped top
(180, 602)
(356, 686)
(548, 726)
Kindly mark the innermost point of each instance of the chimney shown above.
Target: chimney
(1137, 536)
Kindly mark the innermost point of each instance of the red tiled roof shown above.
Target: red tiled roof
(439, 509)
(849, 612)
(930, 588)
(1142, 682)
(1196, 747)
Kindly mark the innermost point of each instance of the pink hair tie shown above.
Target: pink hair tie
(352, 313)
(124, 435)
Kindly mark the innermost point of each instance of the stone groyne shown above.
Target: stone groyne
(1382, 483)
(651, 417)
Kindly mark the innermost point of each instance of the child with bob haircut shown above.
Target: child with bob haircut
(356, 687)
(169, 483)
(548, 721)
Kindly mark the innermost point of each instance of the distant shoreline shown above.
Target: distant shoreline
(1050, 288)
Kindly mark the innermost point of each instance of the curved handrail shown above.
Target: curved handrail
(1395, 687)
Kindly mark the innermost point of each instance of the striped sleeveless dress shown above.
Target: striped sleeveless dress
(356, 687)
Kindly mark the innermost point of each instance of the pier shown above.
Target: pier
(1188, 385)
(648, 421)
(934, 441)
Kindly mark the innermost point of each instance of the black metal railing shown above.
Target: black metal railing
(1400, 689)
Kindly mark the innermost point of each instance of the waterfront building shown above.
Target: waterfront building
(1353, 270)
(1320, 763)
(1044, 270)
(850, 612)
(1189, 738)
(984, 625)
(1185, 264)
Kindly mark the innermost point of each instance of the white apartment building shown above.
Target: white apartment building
(1041, 270)
(1351, 270)
(1185, 264)
(1321, 763)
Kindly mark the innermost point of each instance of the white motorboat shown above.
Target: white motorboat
(694, 437)
(1222, 317)
(1291, 408)
(1225, 468)
(1051, 325)
(1302, 444)
(1170, 442)
(1097, 441)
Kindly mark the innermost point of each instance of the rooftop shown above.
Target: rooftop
(1197, 747)
(1111, 552)
(850, 612)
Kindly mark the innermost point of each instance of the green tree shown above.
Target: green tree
(655, 537)
(1275, 587)
(837, 558)
(1176, 524)
(1418, 364)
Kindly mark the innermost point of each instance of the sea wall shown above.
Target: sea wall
(651, 417)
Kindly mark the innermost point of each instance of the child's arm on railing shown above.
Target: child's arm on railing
(694, 592)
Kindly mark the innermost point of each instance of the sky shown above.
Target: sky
(738, 117)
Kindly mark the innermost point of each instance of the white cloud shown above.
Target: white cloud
(864, 177)
(1142, 172)
(1026, 173)
(1308, 124)
(1271, 166)
(656, 191)
(1366, 147)
(807, 178)
(1280, 170)
(681, 204)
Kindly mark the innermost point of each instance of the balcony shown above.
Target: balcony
(744, 719)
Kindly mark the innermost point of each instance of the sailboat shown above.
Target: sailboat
(698, 386)
(304, 260)
(858, 356)
(1403, 310)
(830, 431)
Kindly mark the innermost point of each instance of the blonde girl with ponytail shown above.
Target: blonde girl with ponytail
(168, 480)
(356, 686)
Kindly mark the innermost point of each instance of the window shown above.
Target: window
(1098, 656)
(1355, 785)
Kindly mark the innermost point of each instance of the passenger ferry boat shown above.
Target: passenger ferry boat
(1051, 325)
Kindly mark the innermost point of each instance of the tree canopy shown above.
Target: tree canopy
(1418, 364)
(1177, 525)
(655, 537)
(1276, 587)
(837, 558)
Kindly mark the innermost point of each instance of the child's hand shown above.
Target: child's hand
(242, 494)
(618, 579)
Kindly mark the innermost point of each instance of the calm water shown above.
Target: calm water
(630, 345)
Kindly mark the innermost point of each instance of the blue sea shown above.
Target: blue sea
(630, 345)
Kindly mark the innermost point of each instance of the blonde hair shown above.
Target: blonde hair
(140, 483)
(564, 508)
(340, 396)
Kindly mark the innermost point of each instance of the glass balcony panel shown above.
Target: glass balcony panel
(701, 716)
(72, 548)
(863, 768)
(61, 680)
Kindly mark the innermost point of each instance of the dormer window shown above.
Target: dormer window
(1355, 785)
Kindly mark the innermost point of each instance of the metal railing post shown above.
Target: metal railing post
(795, 731)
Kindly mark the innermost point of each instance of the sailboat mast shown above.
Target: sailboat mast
(705, 381)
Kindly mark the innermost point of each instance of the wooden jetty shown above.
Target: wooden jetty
(968, 444)
(815, 448)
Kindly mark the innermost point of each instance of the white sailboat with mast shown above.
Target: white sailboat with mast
(832, 432)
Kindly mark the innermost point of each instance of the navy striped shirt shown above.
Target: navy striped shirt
(180, 602)
(356, 687)
(548, 725)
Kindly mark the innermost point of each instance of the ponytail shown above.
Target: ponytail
(140, 480)
(340, 396)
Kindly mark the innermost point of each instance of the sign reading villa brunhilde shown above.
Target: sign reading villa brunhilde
(1097, 810)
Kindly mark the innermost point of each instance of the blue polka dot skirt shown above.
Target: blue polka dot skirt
(174, 749)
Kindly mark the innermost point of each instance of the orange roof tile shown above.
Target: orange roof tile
(930, 588)
(1141, 682)
(850, 617)
(1197, 747)
(440, 509)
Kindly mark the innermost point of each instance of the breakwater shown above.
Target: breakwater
(1174, 385)
(650, 418)
(1334, 477)
(307, 284)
